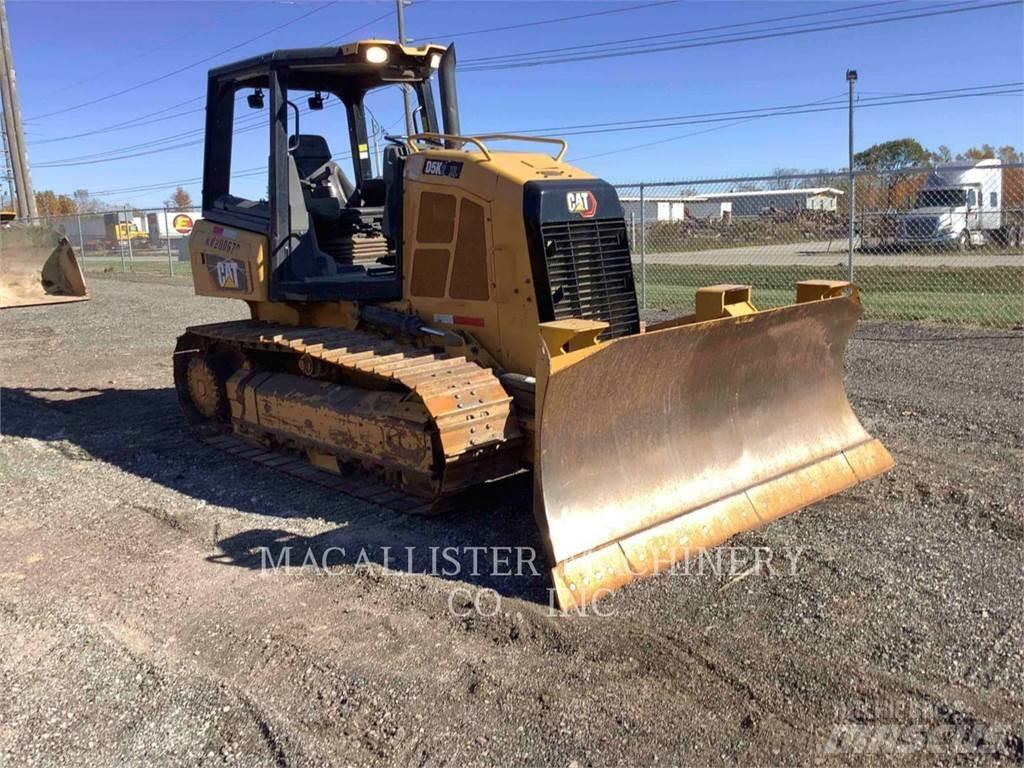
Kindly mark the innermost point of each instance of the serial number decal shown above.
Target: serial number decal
(222, 244)
(229, 274)
(449, 168)
(223, 239)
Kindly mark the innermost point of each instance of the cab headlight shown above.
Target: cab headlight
(435, 60)
(376, 55)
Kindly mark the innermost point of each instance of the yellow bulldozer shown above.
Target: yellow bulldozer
(469, 313)
(37, 265)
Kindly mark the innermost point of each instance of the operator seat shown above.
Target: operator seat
(325, 186)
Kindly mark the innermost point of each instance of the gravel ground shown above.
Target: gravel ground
(138, 628)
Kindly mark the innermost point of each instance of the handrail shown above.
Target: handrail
(479, 141)
(540, 139)
(411, 141)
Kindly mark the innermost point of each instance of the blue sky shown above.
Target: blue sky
(69, 53)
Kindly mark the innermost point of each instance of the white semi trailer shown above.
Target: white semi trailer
(170, 225)
(959, 206)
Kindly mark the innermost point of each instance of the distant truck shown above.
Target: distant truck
(100, 231)
(960, 207)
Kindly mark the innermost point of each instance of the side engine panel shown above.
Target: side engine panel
(228, 262)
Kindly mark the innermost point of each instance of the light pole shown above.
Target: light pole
(851, 78)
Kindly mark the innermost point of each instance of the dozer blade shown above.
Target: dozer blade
(38, 266)
(656, 446)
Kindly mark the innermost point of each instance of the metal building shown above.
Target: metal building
(655, 208)
(756, 202)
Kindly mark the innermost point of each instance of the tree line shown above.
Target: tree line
(49, 203)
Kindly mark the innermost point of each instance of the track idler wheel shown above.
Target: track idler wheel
(200, 374)
(206, 387)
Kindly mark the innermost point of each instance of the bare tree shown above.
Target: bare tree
(781, 183)
(86, 203)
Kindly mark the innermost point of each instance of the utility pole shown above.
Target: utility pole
(375, 158)
(12, 124)
(410, 128)
(8, 165)
(851, 78)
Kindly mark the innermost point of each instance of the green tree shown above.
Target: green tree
(887, 159)
(892, 155)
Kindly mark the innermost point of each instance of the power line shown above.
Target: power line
(142, 119)
(361, 26)
(796, 112)
(659, 122)
(164, 144)
(564, 49)
(179, 70)
(256, 171)
(644, 43)
(137, 122)
(514, 63)
(525, 24)
(717, 120)
(119, 66)
(256, 122)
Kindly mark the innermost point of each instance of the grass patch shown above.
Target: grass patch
(991, 296)
(139, 267)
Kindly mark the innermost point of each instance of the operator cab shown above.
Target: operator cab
(332, 211)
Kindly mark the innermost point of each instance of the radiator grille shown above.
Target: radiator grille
(921, 226)
(590, 274)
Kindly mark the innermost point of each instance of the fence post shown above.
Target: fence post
(852, 227)
(167, 238)
(851, 78)
(119, 240)
(128, 237)
(643, 251)
(81, 239)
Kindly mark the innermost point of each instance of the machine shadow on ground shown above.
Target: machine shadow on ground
(142, 432)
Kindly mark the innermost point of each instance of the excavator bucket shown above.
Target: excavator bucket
(654, 447)
(38, 266)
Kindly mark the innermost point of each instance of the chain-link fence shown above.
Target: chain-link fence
(942, 243)
(148, 241)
